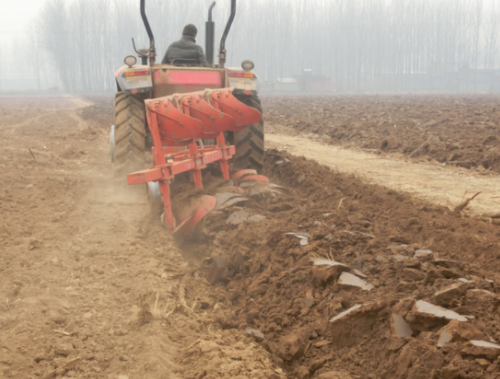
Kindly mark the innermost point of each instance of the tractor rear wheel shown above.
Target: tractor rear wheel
(249, 142)
(130, 136)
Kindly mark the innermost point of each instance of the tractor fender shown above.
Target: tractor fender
(134, 80)
(242, 83)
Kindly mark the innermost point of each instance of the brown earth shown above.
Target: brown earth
(94, 287)
(431, 181)
(278, 291)
(455, 130)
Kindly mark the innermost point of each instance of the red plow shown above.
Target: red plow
(178, 124)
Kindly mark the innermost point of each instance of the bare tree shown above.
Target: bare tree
(363, 45)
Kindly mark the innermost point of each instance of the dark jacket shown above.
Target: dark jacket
(185, 48)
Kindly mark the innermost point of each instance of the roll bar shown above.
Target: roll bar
(152, 48)
(209, 37)
(222, 51)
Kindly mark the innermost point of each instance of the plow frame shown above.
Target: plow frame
(176, 122)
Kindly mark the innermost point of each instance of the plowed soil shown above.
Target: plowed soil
(453, 130)
(444, 185)
(95, 287)
(278, 291)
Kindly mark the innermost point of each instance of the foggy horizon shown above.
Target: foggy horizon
(380, 46)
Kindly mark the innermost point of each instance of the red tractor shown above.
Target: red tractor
(190, 117)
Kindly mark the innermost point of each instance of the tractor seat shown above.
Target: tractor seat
(185, 62)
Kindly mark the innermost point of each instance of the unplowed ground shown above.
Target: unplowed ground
(444, 185)
(95, 287)
(90, 285)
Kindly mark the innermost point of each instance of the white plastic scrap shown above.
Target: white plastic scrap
(424, 307)
(422, 253)
(304, 237)
(345, 313)
(485, 344)
(255, 333)
(353, 281)
(328, 262)
(467, 281)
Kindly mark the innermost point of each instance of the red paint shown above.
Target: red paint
(242, 173)
(256, 178)
(137, 72)
(119, 71)
(190, 214)
(183, 118)
(209, 78)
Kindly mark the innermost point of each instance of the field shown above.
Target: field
(375, 189)
(453, 130)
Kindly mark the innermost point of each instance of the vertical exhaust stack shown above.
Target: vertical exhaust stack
(210, 36)
(222, 51)
(152, 48)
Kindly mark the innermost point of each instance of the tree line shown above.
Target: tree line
(362, 45)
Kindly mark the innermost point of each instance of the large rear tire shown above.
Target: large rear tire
(249, 142)
(130, 136)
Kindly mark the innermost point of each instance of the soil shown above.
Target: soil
(455, 130)
(444, 185)
(91, 285)
(277, 291)
(95, 287)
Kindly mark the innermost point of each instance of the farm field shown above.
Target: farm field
(365, 261)
(455, 130)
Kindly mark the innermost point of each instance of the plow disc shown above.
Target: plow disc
(180, 120)
(189, 214)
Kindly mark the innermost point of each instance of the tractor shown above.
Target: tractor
(189, 117)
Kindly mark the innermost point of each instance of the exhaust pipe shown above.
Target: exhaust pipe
(152, 49)
(210, 36)
(222, 51)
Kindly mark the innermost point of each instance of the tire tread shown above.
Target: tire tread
(249, 142)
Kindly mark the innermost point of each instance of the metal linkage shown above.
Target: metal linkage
(179, 120)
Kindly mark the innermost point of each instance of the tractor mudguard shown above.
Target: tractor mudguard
(134, 80)
(243, 81)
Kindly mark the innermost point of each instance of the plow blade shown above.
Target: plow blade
(242, 114)
(179, 120)
(173, 123)
(188, 214)
(200, 115)
(213, 120)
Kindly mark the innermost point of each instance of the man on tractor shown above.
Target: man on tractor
(186, 51)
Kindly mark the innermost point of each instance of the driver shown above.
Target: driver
(186, 48)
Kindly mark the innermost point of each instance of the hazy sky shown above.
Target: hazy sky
(15, 15)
